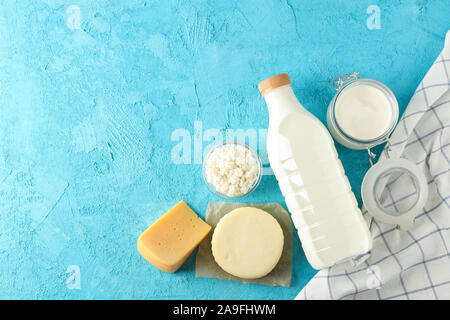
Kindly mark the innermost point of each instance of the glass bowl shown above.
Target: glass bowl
(255, 183)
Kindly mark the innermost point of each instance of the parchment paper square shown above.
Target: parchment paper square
(206, 266)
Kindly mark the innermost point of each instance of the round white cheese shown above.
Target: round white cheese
(247, 243)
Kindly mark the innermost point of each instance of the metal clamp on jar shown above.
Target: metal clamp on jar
(362, 115)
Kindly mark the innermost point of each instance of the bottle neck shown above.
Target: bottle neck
(282, 102)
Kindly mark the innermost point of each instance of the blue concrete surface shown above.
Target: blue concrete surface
(91, 121)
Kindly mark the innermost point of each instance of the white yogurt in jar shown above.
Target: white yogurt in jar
(363, 112)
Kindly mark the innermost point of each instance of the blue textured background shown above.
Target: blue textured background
(86, 118)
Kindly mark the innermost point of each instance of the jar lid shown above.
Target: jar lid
(397, 206)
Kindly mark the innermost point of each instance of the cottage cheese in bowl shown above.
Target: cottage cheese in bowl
(232, 170)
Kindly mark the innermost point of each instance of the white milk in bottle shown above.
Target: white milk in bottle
(311, 177)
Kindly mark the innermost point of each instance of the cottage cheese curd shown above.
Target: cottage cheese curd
(231, 169)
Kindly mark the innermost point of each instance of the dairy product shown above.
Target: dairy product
(311, 177)
(363, 112)
(247, 243)
(231, 169)
(168, 242)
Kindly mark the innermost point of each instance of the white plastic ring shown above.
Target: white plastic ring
(404, 220)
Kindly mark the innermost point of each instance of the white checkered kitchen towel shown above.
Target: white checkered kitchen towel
(413, 264)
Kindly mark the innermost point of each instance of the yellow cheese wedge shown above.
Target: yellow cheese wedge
(169, 241)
